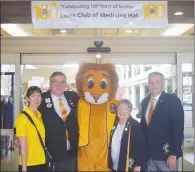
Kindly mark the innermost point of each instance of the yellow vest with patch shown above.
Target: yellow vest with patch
(84, 118)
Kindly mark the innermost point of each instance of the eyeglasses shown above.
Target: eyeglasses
(58, 83)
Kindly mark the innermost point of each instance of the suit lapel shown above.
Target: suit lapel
(160, 100)
(70, 102)
(124, 146)
(48, 96)
(113, 129)
(144, 107)
(124, 139)
(145, 104)
(49, 102)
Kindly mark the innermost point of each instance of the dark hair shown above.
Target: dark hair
(33, 89)
(57, 74)
(152, 74)
(127, 102)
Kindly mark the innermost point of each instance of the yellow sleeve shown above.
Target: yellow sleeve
(20, 125)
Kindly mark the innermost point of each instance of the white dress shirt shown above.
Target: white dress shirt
(149, 105)
(116, 145)
(56, 102)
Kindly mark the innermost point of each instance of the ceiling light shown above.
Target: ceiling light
(128, 31)
(98, 56)
(63, 31)
(178, 13)
(71, 65)
(30, 67)
(14, 29)
(176, 29)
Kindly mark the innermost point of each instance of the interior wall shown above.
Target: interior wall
(46, 72)
(73, 45)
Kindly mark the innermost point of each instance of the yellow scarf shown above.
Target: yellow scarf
(84, 117)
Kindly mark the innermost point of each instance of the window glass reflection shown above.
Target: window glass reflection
(7, 96)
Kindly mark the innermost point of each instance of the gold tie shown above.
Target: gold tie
(64, 115)
(151, 110)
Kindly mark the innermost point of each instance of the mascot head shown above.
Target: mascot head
(97, 83)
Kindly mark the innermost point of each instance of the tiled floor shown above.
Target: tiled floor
(189, 155)
(10, 162)
(188, 166)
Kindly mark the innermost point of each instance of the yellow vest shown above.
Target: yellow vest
(84, 117)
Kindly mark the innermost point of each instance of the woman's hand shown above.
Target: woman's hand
(137, 168)
(23, 151)
(16, 142)
(24, 168)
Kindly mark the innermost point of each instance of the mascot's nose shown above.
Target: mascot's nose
(96, 96)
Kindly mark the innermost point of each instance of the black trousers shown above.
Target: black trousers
(41, 167)
(68, 164)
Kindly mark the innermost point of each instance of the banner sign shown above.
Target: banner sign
(99, 14)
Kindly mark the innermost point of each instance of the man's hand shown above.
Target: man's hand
(137, 168)
(16, 142)
(171, 161)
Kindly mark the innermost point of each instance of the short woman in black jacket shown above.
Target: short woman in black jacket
(127, 144)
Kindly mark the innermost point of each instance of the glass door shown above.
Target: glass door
(188, 105)
(133, 70)
(186, 93)
(7, 96)
(10, 90)
(37, 72)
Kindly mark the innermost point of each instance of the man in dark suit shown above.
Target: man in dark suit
(162, 120)
(59, 114)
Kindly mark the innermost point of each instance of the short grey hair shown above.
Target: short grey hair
(57, 74)
(127, 102)
(153, 74)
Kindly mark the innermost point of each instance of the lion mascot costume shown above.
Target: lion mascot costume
(96, 86)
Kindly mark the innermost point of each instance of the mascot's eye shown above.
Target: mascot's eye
(103, 83)
(90, 83)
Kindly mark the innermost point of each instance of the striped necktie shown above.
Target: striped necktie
(151, 110)
(64, 115)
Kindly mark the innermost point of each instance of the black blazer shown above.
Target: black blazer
(55, 128)
(137, 155)
(165, 132)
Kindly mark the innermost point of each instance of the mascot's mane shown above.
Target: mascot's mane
(110, 68)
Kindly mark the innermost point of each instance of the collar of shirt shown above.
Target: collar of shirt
(156, 97)
(55, 100)
(30, 112)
